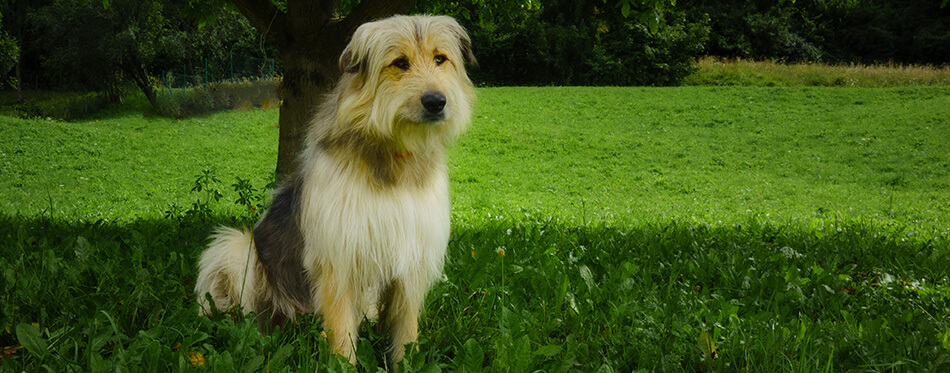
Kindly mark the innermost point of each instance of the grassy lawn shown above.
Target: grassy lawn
(672, 229)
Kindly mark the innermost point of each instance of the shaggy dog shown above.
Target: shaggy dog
(365, 221)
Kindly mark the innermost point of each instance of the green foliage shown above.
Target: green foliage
(9, 56)
(208, 194)
(578, 43)
(104, 46)
(589, 297)
(864, 31)
(654, 42)
(28, 109)
(629, 54)
(96, 46)
(594, 229)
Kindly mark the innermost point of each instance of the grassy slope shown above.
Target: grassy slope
(709, 154)
(786, 229)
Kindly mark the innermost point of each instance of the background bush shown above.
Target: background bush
(67, 107)
(181, 103)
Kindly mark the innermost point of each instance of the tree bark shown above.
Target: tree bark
(304, 84)
(136, 70)
(310, 39)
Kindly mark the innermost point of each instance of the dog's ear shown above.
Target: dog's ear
(465, 43)
(356, 51)
(350, 61)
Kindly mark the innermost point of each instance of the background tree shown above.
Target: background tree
(112, 46)
(579, 42)
(101, 44)
(9, 44)
(9, 57)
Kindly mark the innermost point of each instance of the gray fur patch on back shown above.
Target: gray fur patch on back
(280, 245)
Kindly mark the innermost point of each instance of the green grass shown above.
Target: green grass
(698, 154)
(671, 229)
(126, 166)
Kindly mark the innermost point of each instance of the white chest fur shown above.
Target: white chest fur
(369, 234)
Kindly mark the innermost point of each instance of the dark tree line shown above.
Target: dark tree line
(835, 31)
(115, 47)
(590, 42)
(101, 45)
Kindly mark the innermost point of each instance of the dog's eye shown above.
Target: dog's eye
(440, 59)
(401, 64)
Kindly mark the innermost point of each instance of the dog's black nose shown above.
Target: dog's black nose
(434, 102)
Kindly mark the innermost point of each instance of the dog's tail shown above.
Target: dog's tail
(230, 272)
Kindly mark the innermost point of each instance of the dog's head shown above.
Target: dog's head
(404, 77)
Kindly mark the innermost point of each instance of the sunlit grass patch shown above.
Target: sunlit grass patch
(718, 71)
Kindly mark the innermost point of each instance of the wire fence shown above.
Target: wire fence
(239, 68)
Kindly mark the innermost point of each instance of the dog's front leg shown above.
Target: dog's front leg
(339, 315)
(399, 310)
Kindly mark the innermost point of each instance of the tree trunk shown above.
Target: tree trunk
(310, 38)
(139, 75)
(19, 82)
(301, 90)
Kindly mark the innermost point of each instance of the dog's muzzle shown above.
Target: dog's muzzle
(434, 104)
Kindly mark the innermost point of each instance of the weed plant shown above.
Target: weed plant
(594, 229)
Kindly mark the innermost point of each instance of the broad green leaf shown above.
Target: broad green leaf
(365, 355)
(472, 356)
(588, 278)
(548, 350)
(431, 367)
(32, 340)
(254, 364)
(277, 360)
(562, 290)
(521, 355)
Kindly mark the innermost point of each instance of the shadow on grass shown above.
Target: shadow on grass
(520, 295)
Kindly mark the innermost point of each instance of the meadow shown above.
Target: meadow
(594, 229)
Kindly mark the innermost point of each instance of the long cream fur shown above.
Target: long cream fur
(373, 204)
